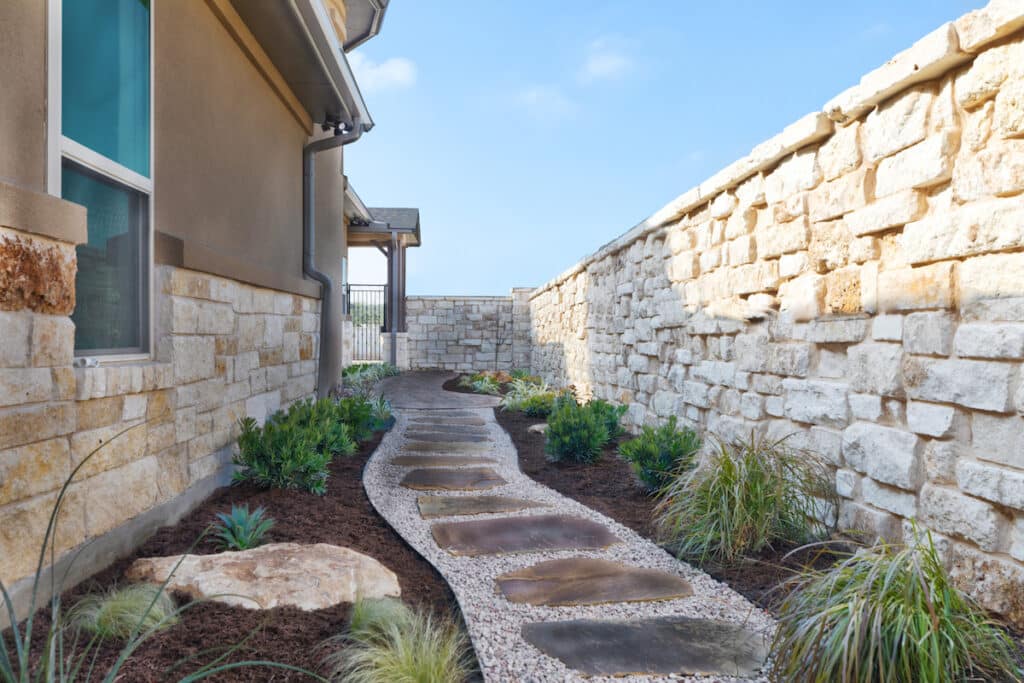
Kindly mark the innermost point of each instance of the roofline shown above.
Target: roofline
(380, 7)
(357, 202)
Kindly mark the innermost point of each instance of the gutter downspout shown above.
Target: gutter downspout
(394, 297)
(328, 369)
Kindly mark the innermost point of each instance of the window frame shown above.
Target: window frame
(60, 147)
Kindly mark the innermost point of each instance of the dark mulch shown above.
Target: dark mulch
(453, 385)
(343, 517)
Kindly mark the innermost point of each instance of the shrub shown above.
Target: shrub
(486, 385)
(575, 432)
(890, 616)
(241, 529)
(120, 612)
(520, 391)
(749, 496)
(659, 454)
(389, 643)
(360, 379)
(382, 418)
(357, 413)
(611, 415)
(538, 405)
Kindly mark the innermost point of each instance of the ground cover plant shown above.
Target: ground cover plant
(361, 378)
(521, 391)
(241, 529)
(660, 453)
(888, 615)
(387, 642)
(748, 496)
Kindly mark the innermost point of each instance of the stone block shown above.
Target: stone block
(847, 483)
(1008, 120)
(981, 27)
(940, 459)
(990, 340)
(887, 213)
(985, 280)
(838, 197)
(869, 524)
(803, 297)
(999, 485)
(53, 341)
(996, 171)
(192, 358)
(799, 172)
(908, 289)
(926, 164)
(837, 331)
(25, 385)
(791, 265)
(998, 439)
(840, 154)
(816, 402)
(117, 495)
(784, 238)
(865, 407)
(897, 124)
(973, 229)
(876, 368)
(890, 456)
(33, 469)
(975, 384)
(887, 328)
(928, 334)
(108, 447)
(24, 525)
(16, 332)
(931, 419)
(950, 512)
(890, 499)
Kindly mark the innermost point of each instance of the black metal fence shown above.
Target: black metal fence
(366, 304)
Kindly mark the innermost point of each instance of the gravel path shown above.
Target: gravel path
(494, 623)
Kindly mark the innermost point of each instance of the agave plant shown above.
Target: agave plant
(241, 529)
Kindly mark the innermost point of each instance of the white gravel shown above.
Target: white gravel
(493, 622)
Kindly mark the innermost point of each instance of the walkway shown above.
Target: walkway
(550, 590)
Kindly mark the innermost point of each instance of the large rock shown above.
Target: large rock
(309, 577)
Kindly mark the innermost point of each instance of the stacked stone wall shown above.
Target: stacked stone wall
(224, 350)
(856, 282)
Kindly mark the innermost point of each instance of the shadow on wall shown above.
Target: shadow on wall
(858, 282)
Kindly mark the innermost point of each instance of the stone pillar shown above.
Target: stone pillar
(402, 348)
(347, 341)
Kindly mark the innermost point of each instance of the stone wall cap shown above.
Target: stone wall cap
(42, 214)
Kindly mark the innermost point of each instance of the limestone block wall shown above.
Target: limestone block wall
(469, 333)
(224, 350)
(856, 281)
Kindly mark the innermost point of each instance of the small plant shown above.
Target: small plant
(241, 529)
(538, 405)
(887, 615)
(747, 497)
(280, 455)
(360, 379)
(382, 418)
(611, 415)
(576, 433)
(120, 612)
(357, 413)
(659, 454)
(389, 643)
(520, 391)
(486, 385)
(524, 374)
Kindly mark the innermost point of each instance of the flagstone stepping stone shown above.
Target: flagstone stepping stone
(521, 535)
(440, 460)
(443, 437)
(449, 429)
(444, 414)
(587, 581)
(665, 645)
(443, 446)
(465, 479)
(452, 506)
(450, 421)
(309, 577)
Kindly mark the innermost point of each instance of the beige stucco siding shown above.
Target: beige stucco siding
(23, 93)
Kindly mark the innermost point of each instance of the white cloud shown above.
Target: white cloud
(545, 102)
(391, 74)
(604, 62)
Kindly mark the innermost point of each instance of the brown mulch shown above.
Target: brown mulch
(610, 487)
(342, 517)
(453, 385)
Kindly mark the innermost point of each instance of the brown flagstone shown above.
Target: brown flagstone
(451, 506)
(522, 534)
(464, 479)
(449, 421)
(588, 581)
(445, 437)
(442, 446)
(440, 460)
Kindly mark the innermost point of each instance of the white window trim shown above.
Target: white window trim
(59, 147)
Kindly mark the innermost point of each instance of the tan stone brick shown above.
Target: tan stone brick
(982, 80)
(16, 333)
(997, 19)
(161, 405)
(115, 496)
(799, 172)
(65, 383)
(30, 470)
(925, 164)
(790, 208)
(213, 318)
(185, 283)
(36, 274)
(842, 292)
(1009, 111)
(25, 385)
(995, 171)
(830, 245)
(25, 424)
(173, 478)
(782, 239)
(996, 276)
(108, 447)
(897, 124)
(99, 412)
(975, 228)
(841, 153)
(192, 358)
(160, 437)
(24, 527)
(908, 289)
(887, 213)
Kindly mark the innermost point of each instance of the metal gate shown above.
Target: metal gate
(366, 304)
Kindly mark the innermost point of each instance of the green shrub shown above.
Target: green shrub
(486, 385)
(241, 529)
(389, 643)
(748, 496)
(659, 454)
(121, 612)
(357, 413)
(520, 391)
(360, 379)
(610, 414)
(382, 418)
(576, 433)
(887, 615)
(538, 405)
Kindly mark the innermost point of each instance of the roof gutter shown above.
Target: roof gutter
(329, 367)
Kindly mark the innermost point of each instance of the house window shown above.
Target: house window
(105, 123)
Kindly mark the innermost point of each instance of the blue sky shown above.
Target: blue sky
(530, 133)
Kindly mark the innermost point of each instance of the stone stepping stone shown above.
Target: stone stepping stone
(449, 429)
(440, 460)
(521, 535)
(587, 581)
(450, 421)
(660, 646)
(444, 414)
(446, 446)
(466, 479)
(452, 506)
(445, 437)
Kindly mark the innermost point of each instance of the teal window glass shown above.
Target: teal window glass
(110, 287)
(105, 79)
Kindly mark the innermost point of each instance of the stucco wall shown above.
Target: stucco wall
(23, 103)
(857, 281)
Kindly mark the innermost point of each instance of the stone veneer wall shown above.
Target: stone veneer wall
(857, 281)
(469, 333)
(225, 350)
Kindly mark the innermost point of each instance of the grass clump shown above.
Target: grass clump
(241, 529)
(122, 612)
(389, 643)
(576, 433)
(521, 391)
(660, 453)
(748, 496)
(887, 615)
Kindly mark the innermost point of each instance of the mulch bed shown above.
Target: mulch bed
(342, 517)
(609, 486)
(453, 385)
